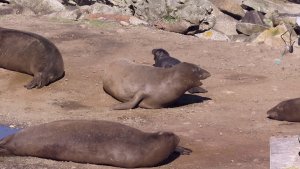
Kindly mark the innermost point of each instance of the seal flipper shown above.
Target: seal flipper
(38, 81)
(131, 103)
(197, 90)
(3, 150)
(183, 150)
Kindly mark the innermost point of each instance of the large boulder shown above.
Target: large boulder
(251, 23)
(225, 24)
(272, 36)
(230, 7)
(267, 6)
(41, 7)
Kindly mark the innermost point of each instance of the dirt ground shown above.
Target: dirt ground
(226, 127)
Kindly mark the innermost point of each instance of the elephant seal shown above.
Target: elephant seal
(288, 110)
(32, 54)
(91, 141)
(149, 87)
(163, 59)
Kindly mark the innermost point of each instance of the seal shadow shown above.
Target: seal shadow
(187, 99)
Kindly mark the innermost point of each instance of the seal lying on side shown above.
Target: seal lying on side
(92, 141)
(31, 54)
(163, 59)
(147, 86)
(288, 110)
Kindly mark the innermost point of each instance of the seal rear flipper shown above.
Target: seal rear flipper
(131, 103)
(197, 90)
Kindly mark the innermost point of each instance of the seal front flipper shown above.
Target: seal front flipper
(4, 151)
(38, 81)
(131, 103)
(197, 90)
(183, 150)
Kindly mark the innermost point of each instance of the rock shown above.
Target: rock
(242, 38)
(295, 1)
(230, 7)
(67, 14)
(41, 7)
(124, 23)
(178, 26)
(212, 35)
(105, 9)
(277, 18)
(225, 24)
(252, 23)
(250, 28)
(254, 17)
(16, 9)
(136, 21)
(272, 37)
(268, 6)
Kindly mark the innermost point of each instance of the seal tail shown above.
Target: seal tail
(4, 151)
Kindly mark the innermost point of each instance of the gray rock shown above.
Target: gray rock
(7, 9)
(268, 6)
(250, 28)
(230, 7)
(105, 9)
(254, 17)
(226, 24)
(242, 38)
(41, 6)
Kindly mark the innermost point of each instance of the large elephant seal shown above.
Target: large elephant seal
(147, 86)
(288, 110)
(163, 59)
(92, 141)
(31, 54)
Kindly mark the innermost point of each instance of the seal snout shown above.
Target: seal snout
(272, 114)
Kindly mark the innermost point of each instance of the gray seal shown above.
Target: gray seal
(32, 54)
(92, 141)
(149, 87)
(163, 59)
(288, 110)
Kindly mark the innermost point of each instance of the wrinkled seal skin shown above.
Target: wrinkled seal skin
(163, 59)
(288, 110)
(147, 86)
(92, 141)
(31, 54)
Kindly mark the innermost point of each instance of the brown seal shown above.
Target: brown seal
(149, 87)
(31, 54)
(163, 59)
(92, 141)
(288, 110)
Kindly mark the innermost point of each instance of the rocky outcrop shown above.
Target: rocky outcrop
(268, 6)
(230, 7)
(41, 7)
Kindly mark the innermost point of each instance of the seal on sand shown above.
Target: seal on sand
(149, 87)
(92, 141)
(31, 54)
(163, 59)
(288, 110)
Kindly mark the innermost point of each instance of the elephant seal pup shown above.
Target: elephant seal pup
(31, 54)
(163, 59)
(147, 86)
(92, 141)
(288, 110)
